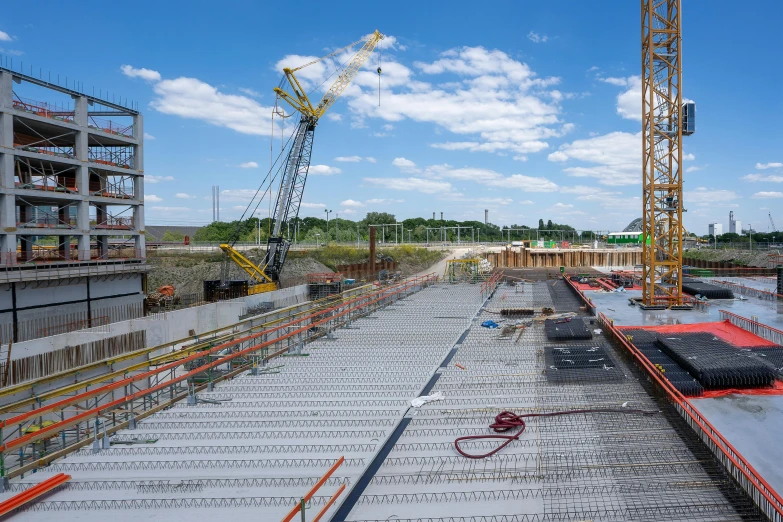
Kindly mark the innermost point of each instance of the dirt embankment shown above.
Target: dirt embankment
(754, 258)
(187, 273)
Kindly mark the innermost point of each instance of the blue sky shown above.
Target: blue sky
(528, 109)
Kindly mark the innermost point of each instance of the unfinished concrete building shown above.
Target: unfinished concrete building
(71, 208)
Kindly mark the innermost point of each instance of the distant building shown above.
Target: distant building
(716, 229)
(735, 227)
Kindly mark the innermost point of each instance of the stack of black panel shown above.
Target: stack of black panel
(715, 363)
(695, 287)
(684, 382)
(569, 329)
(580, 363)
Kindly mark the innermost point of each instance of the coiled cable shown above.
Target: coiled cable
(507, 421)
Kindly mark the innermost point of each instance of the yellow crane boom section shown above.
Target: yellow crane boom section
(262, 281)
(299, 99)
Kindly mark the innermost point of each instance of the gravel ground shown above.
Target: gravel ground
(743, 257)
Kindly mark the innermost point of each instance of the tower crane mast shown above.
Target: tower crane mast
(297, 164)
(665, 120)
(772, 223)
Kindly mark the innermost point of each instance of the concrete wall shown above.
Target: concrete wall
(168, 326)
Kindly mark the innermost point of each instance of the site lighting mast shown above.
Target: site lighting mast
(665, 119)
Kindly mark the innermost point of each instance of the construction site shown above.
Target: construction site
(618, 378)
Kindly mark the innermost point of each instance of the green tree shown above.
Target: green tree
(379, 218)
(540, 224)
(173, 236)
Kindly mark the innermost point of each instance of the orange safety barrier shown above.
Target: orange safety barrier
(762, 493)
(329, 503)
(33, 493)
(300, 505)
(319, 317)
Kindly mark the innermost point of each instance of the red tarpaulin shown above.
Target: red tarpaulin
(721, 329)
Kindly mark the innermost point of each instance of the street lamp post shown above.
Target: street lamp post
(327, 225)
(317, 239)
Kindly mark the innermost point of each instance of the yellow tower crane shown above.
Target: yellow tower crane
(292, 183)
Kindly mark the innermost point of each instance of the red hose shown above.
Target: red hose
(507, 421)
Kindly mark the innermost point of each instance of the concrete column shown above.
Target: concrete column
(6, 89)
(64, 247)
(83, 224)
(81, 108)
(138, 133)
(138, 217)
(103, 246)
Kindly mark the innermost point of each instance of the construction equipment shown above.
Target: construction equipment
(665, 120)
(266, 276)
(772, 223)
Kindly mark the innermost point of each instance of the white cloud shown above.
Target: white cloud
(11, 52)
(144, 74)
(768, 195)
(629, 103)
(688, 157)
(526, 202)
(491, 178)
(5, 37)
(349, 159)
(426, 186)
(558, 156)
(182, 195)
(537, 38)
(193, 99)
(562, 205)
(370, 159)
(377, 201)
(248, 165)
(323, 170)
(351, 203)
(405, 165)
(333, 116)
(773, 165)
(703, 196)
(772, 178)
(613, 159)
(347, 211)
(620, 82)
(389, 42)
(313, 205)
(152, 198)
(498, 100)
(388, 127)
(249, 92)
(520, 157)
(237, 195)
(149, 178)
(148, 137)
(693, 168)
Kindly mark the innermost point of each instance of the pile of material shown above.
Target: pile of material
(162, 297)
(580, 363)
(566, 329)
(699, 288)
(715, 363)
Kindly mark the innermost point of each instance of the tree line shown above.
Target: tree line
(312, 229)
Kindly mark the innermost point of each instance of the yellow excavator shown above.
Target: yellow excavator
(266, 276)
